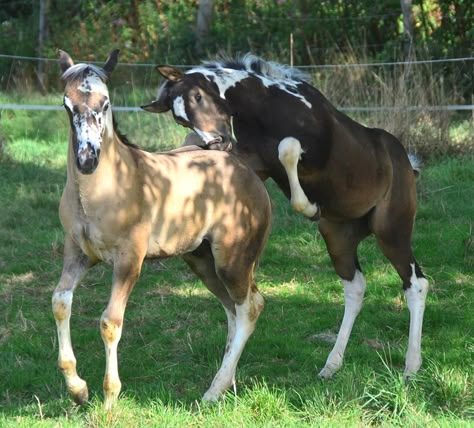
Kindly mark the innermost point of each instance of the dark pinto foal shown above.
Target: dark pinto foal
(356, 181)
(122, 205)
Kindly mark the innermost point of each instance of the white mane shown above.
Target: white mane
(77, 71)
(255, 64)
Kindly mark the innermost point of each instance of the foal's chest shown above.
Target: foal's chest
(93, 242)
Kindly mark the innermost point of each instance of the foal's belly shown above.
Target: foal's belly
(173, 246)
(347, 196)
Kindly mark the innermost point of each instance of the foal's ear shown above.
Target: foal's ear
(162, 103)
(65, 61)
(111, 62)
(170, 73)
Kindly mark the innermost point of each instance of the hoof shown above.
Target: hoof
(82, 396)
(317, 216)
(211, 397)
(409, 375)
(326, 373)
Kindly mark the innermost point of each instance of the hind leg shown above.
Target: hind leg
(201, 261)
(247, 313)
(394, 238)
(342, 241)
(230, 277)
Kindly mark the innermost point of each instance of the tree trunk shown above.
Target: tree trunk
(41, 37)
(408, 33)
(204, 17)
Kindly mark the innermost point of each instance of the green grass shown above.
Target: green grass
(174, 330)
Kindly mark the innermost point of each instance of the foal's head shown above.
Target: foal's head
(86, 100)
(196, 103)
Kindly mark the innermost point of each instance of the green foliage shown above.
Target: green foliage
(163, 31)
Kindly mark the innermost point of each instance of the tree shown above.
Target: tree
(407, 28)
(203, 22)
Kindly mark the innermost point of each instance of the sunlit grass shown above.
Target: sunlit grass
(175, 331)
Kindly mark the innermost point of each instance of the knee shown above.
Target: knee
(110, 329)
(62, 301)
(289, 151)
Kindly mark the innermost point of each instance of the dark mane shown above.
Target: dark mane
(259, 66)
(123, 137)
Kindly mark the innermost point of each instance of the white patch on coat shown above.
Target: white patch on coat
(227, 78)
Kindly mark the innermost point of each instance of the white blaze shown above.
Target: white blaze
(179, 108)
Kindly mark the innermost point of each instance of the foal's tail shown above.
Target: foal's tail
(416, 163)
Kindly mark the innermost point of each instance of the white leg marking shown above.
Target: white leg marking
(62, 303)
(245, 320)
(111, 334)
(353, 296)
(289, 153)
(416, 297)
(231, 329)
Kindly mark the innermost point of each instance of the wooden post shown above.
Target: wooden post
(408, 32)
(291, 50)
(203, 22)
(41, 37)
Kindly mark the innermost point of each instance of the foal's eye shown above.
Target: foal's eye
(106, 106)
(197, 97)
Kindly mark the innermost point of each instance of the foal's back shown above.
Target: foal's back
(200, 194)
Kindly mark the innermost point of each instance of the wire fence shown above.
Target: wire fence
(306, 68)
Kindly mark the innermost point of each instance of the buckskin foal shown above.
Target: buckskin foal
(356, 180)
(122, 205)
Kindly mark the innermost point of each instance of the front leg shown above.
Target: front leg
(75, 265)
(126, 273)
(289, 153)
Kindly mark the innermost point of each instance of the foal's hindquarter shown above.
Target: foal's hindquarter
(206, 206)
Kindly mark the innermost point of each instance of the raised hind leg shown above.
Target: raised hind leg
(394, 238)
(342, 241)
(289, 153)
(75, 265)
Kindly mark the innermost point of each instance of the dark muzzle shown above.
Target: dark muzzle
(87, 160)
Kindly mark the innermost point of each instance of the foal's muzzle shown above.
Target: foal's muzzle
(220, 144)
(87, 159)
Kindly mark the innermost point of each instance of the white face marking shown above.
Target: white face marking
(207, 137)
(68, 103)
(89, 126)
(93, 83)
(179, 108)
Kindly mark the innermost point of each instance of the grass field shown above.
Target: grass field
(174, 330)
